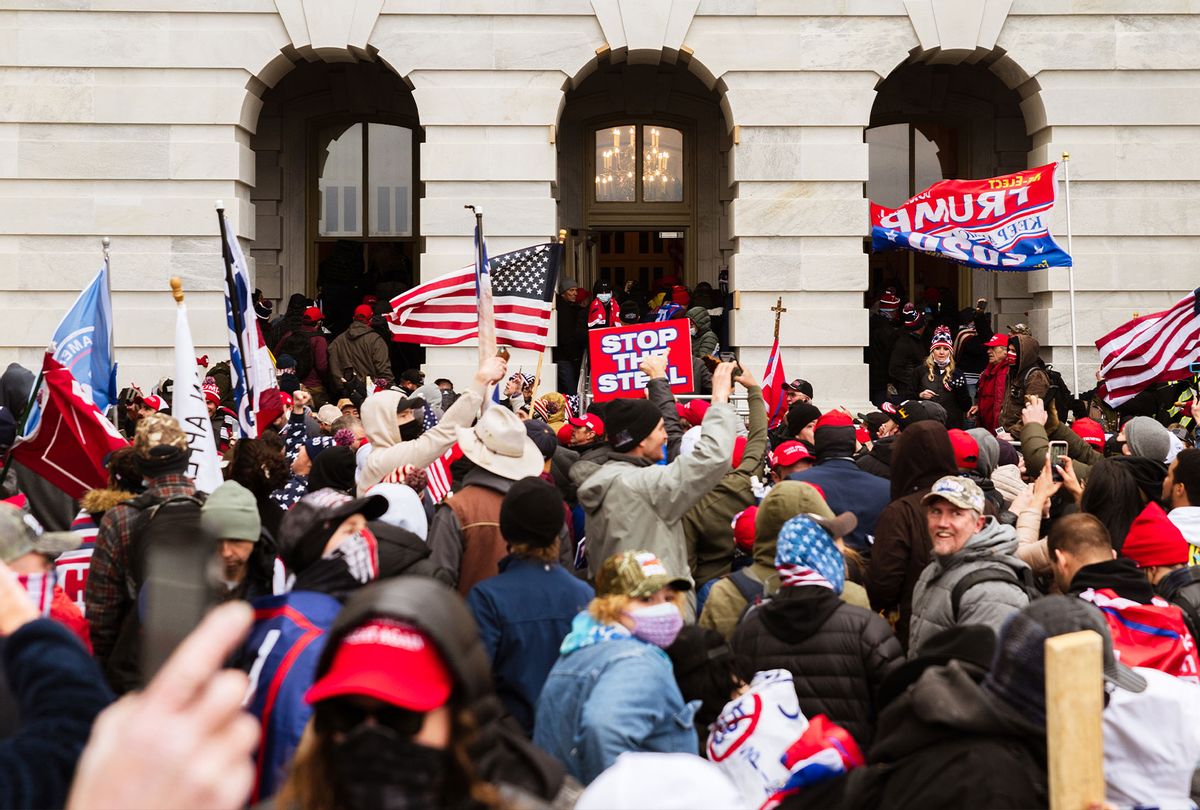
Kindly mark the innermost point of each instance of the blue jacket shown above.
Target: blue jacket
(59, 690)
(281, 656)
(848, 488)
(524, 613)
(610, 693)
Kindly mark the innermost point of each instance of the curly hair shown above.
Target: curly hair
(258, 465)
(947, 372)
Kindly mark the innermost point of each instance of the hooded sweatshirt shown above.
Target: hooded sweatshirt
(389, 452)
(361, 351)
(705, 340)
(1028, 380)
(923, 454)
(988, 603)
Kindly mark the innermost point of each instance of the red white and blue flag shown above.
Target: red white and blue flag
(1153, 635)
(773, 380)
(1159, 347)
(1001, 223)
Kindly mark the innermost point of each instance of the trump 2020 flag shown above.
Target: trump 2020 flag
(1002, 223)
(83, 342)
(190, 410)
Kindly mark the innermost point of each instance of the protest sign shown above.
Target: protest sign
(616, 353)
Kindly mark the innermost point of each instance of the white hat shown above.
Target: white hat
(499, 444)
(405, 510)
(662, 781)
(329, 414)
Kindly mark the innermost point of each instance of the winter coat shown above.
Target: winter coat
(1026, 378)
(948, 391)
(990, 394)
(601, 315)
(922, 455)
(468, 554)
(318, 346)
(607, 694)
(848, 488)
(705, 340)
(707, 526)
(908, 355)
(524, 613)
(946, 743)
(989, 603)
(838, 654)
(572, 330)
(632, 504)
(359, 351)
(1181, 588)
(881, 339)
(1035, 444)
(389, 452)
(878, 461)
(59, 690)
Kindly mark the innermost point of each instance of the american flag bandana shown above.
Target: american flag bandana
(361, 554)
(791, 575)
(40, 588)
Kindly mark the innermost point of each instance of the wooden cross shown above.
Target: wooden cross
(778, 309)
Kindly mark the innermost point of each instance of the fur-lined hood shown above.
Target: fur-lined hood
(99, 501)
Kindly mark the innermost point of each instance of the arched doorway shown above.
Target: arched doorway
(642, 181)
(932, 122)
(337, 187)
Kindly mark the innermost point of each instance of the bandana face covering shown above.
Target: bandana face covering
(40, 588)
(375, 768)
(658, 625)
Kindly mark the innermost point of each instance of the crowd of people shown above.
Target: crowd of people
(432, 596)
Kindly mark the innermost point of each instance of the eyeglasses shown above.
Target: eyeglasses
(341, 715)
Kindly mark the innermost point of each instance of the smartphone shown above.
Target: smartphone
(1055, 456)
(730, 357)
(182, 573)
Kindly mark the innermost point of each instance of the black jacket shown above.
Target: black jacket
(1181, 588)
(879, 460)
(1120, 574)
(908, 355)
(838, 654)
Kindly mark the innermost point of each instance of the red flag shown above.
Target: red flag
(69, 444)
(773, 380)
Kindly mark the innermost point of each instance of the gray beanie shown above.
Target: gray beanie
(989, 451)
(1147, 438)
(231, 513)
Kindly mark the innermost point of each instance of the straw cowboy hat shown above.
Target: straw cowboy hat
(500, 445)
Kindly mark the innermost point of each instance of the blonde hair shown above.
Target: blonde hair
(610, 609)
(947, 373)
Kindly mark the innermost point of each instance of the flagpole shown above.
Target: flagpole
(230, 290)
(104, 245)
(537, 375)
(1066, 162)
(487, 320)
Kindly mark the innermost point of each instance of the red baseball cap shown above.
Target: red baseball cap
(564, 434)
(390, 661)
(313, 314)
(1090, 431)
(966, 449)
(997, 341)
(362, 312)
(743, 528)
(590, 421)
(151, 401)
(788, 454)
(696, 409)
(834, 419)
(285, 400)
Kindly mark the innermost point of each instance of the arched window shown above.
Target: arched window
(639, 163)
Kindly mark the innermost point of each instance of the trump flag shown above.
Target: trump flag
(1002, 223)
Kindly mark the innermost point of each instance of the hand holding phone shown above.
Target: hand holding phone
(1058, 450)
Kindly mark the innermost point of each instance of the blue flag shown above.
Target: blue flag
(83, 342)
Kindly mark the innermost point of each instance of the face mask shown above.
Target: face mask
(692, 331)
(603, 298)
(40, 588)
(658, 624)
(941, 363)
(411, 430)
(375, 767)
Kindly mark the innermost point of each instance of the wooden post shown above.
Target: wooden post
(1074, 735)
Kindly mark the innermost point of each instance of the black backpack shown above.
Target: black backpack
(753, 591)
(296, 343)
(1024, 581)
(1059, 393)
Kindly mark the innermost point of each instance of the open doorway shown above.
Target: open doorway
(647, 259)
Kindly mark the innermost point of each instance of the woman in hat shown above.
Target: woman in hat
(939, 381)
(612, 689)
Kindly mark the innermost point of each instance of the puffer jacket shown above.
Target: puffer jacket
(359, 351)
(725, 603)
(990, 394)
(922, 455)
(878, 460)
(389, 452)
(989, 603)
(1025, 378)
(588, 714)
(633, 505)
(705, 341)
(838, 654)
(707, 526)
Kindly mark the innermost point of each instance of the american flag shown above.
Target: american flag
(1153, 348)
(440, 481)
(445, 310)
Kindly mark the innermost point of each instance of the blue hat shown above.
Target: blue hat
(804, 544)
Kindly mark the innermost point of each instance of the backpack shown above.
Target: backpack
(753, 591)
(1059, 393)
(1024, 581)
(296, 343)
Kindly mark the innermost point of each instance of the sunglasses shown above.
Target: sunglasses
(341, 716)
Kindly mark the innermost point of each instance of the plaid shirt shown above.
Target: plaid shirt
(106, 595)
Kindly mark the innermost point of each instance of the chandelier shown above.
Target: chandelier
(617, 167)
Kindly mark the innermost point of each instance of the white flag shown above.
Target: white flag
(190, 410)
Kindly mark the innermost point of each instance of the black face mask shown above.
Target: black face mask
(411, 430)
(375, 768)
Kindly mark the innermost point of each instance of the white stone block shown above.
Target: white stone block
(765, 217)
(794, 99)
(484, 161)
(516, 216)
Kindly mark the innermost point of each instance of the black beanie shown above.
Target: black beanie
(628, 421)
(163, 459)
(532, 513)
(801, 414)
(834, 441)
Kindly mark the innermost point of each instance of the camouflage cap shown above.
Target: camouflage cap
(158, 429)
(636, 574)
(962, 492)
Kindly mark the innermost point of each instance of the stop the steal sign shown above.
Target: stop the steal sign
(616, 353)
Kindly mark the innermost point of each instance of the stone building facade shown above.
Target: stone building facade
(129, 118)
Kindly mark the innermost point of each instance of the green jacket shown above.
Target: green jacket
(708, 525)
(632, 504)
(1035, 444)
